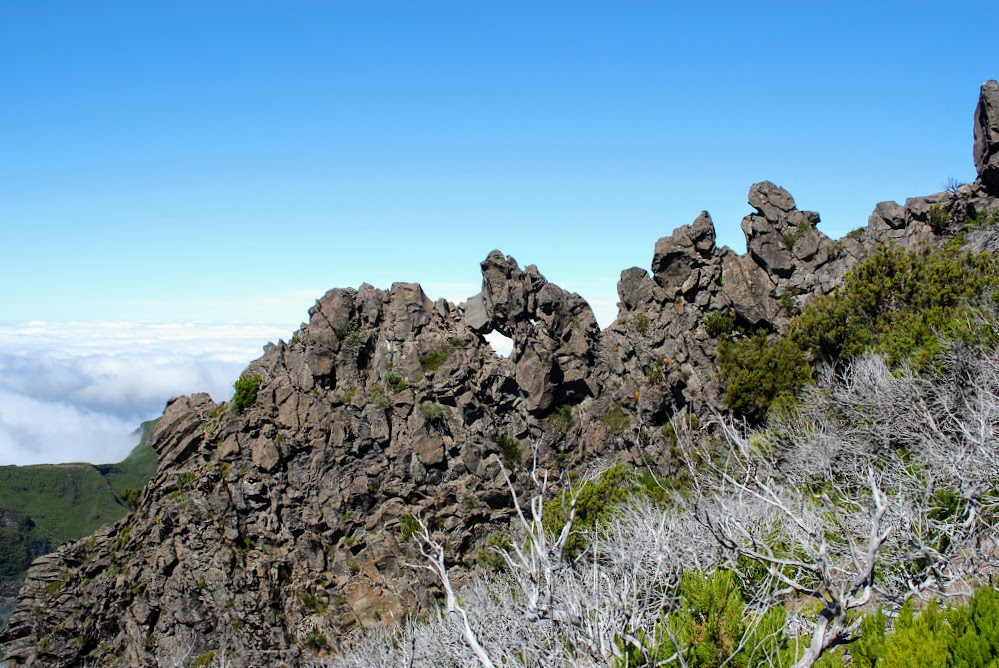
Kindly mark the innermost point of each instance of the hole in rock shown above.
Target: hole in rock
(503, 345)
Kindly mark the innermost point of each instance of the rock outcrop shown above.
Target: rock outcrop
(273, 530)
(987, 136)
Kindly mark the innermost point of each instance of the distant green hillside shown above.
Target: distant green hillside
(44, 506)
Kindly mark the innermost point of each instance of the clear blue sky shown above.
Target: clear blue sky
(198, 160)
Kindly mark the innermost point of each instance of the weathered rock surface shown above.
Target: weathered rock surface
(987, 136)
(273, 531)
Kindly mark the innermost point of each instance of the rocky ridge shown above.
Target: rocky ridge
(274, 530)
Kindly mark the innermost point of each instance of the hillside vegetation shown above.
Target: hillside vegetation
(45, 506)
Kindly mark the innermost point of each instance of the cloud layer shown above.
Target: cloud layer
(75, 391)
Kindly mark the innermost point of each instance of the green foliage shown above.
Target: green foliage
(657, 370)
(394, 381)
(902, 304)
(351, 336)
(246, 391)
(205, 659)
(488, 556)
(431, 411)
(378, 398)
(790, 238)
(965, 636)
(983, 218)
(509, 449)
(757, 372)
(719, 323)
(311, 603)
(561, 418)
(130, 497)
(939, 218)
(711, 628)
(616, 419)
(316, 640)
(185, 479)
(641, 323)
(596, 502)
(408, 527)
(899, 303)
(433, 361)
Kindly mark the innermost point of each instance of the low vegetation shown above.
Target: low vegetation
(908, 306)
(246, 387)
(811, 541)
(45, 506)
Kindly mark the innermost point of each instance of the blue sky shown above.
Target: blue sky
(225, 163)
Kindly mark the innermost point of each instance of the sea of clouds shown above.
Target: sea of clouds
(77, 391)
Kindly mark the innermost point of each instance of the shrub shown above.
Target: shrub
(509, 449)
(596, 502)
(964, 635)
(900, 303)
(939, 218)
(130, 497)
(756, 372)
(408, 527)
(394, 381)
(489, 557)
(351, 336)
(431, 411)
(641, 323)
(433, 361)
(246, 391)
(561, 418)
(712, 628)
(719, 323)
(615, 419)
(657, 370)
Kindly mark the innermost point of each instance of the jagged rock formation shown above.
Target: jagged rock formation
(274, 530)
(987, 136)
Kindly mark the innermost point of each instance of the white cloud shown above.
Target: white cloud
(76, 391)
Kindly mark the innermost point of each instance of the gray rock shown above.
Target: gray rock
(987, 136)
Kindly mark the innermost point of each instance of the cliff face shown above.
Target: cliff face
(274, 530)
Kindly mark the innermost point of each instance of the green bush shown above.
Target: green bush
(246, 391)
(711, 628)
(130, 497)
(408, 527)
(433, 361)
(905, 305)
(431, 411)
(616, 419)
(757, 372)
(719, 323)
(939, 219)
(561, 418)
(509, 449)
(394, 381)
(900, 303)
(596, 501)
(964, 635)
